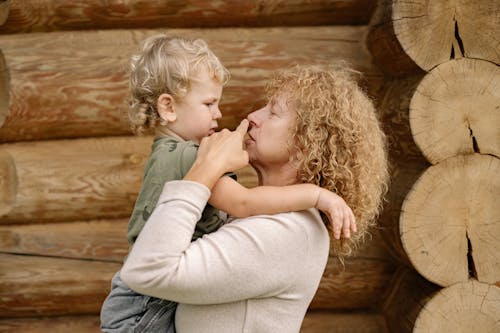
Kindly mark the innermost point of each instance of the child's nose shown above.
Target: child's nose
(217, 113)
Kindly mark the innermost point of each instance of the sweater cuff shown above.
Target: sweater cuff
(196, 193)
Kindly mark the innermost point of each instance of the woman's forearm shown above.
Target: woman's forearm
(155, 255)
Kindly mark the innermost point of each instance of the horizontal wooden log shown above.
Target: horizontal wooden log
(433, 32)
(407, 37)
(62, 324)
(34, 285)
(383, 45)
(469, 306)
(4, 89)
(47, 15)
(454, 110)
(449, 223)
(74, 179)
(4, 10)
(314, 322)
(38, 286)
(405, 158)
(75, 84)
(358, 284)
(103, 240)
(338, 322)
(71, 180)
(409, 292)
(8, 182)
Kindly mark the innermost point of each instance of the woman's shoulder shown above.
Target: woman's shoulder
(300, 225)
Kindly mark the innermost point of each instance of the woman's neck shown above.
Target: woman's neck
(277, 176)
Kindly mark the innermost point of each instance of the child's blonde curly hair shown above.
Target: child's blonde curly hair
(341, 146)
(166, 65)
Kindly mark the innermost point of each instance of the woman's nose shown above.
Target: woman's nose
(253, 118)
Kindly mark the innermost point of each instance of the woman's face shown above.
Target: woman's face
(268, 143)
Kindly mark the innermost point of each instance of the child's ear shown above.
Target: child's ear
(165, 107)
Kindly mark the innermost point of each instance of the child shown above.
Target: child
(176, 86)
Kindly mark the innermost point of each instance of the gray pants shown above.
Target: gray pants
(125, 311)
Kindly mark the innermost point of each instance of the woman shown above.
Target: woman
(259, 274)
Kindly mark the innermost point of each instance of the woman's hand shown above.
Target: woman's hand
(219, 153)
(339, 213)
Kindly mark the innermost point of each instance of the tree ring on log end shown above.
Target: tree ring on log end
(456, 110)
(432, 32)
(464, 307)
(8, 182)
(449, 221)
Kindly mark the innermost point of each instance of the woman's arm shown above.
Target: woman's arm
(255, 257)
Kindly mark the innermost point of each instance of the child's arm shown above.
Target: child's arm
(231, 197)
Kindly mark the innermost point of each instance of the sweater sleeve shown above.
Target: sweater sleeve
(250, 258)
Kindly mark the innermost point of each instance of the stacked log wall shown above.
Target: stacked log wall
(442, 80)
(70, 168)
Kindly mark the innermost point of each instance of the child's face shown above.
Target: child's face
(198, 111)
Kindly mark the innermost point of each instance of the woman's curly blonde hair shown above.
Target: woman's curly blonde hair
(166, 64)
(341, 146)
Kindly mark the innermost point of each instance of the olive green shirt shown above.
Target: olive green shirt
(170, 160)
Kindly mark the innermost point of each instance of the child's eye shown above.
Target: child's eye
(209, 104)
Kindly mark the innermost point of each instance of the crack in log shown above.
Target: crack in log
(470, 260)
(457, 47)
(475, 146)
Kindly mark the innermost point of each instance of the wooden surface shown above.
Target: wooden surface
(75, 179)
(4, 89)
(51, 15)
(454, 110)
(75, 84)
(384, 47)
(4, 10)
(433, 32)
(464, 307)
(38, 286)
(409, 292)
(449, 222)
(27, 281)
(314, 322)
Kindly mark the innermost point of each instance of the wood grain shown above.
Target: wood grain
(75, 84)
(46, 15)
(39, 285)
(75, 179)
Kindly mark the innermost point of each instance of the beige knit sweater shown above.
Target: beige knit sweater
(255, 275)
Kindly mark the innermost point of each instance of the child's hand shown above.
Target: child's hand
(340, 215)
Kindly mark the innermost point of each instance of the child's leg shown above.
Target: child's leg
(124, 310)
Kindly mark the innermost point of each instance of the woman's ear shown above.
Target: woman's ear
(165, 107)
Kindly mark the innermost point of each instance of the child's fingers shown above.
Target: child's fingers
(354, 227)
(346, 226)
(338, 222)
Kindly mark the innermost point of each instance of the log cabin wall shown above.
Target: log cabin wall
(70, 168)
(440, 104)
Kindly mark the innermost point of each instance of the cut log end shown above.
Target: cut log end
(8, 182)
(449, 221)
(4, 88)
(433, 32)
(465, 307)
(455, 109)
